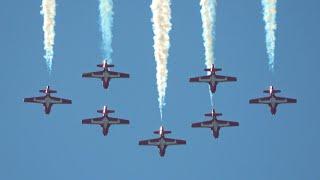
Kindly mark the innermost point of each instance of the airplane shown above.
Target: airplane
(162, 142)
(105, 75)
(272, 100)
(47, 100)
(213, 79)
(215, 125)
(105, 121)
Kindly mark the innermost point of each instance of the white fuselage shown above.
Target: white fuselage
(215, 124)
(47, 101)
(162, 143)
(106, 74)
(273, 101)
(105, 121)
(213, 79)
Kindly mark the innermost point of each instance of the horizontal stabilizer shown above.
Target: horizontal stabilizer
(105, 112)
(105, 65)
(164, 132)
(213, 114)
(273, 91)
(213, 70)
(47, 90)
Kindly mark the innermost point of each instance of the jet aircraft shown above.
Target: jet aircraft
(105, 75)
(213, 79)
(105, 121)
(47, 100)
(214, 124)
(272, 100)
(162, 142)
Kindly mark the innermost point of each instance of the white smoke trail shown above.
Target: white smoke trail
(49, 12)
(208, 16)
(106, 23)
(269, 17)
(211, 97)
(161, 27)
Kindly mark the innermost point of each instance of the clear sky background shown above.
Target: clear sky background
(264, 147)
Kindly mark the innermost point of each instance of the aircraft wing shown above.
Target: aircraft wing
(60, 100)
(150, 142)
(199, 79)
(119, 74)
(170, 141)
(226, 78)
(118, 121)
(91, 121)
(204, 124)
(227, 123)
(264, 100)
(96, 74)
(34, 99)
(286, 100)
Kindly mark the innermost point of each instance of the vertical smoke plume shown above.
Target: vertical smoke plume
(49, 12)
(161, 27)
(106, 23)
(208, 16)
(269, 17)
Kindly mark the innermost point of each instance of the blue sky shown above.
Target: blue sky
(264, 147)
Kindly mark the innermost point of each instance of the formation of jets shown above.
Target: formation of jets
(162, 142)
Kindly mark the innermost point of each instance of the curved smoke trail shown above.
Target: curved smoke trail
(49, 12)
(269, 17)
(161, 27)
(106, 23)
(208, 16)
